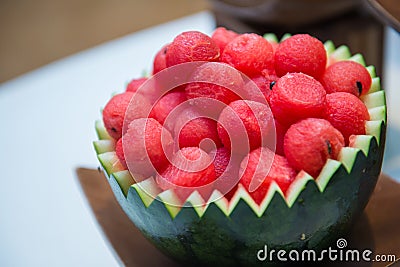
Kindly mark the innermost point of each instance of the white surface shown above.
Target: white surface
(47, 128)
(391, 84)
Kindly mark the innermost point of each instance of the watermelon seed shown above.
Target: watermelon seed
(271, 85)
(328, 144)
(359, 86)
(98, 169)
(113, 129)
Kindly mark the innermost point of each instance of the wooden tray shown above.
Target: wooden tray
(378, 228)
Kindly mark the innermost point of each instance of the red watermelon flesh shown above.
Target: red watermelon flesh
(347, 76)
(347, 113)
(297, 96)
(310, 142)
(191, 46)
(300, 53)
(264, 166)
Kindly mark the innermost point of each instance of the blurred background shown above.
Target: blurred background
(38, 32)
(34, 33)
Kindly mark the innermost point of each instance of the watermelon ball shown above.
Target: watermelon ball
(245, 125)
(347, 76)
(135, 84)
(226, 170)
(347, 113)
(159, 62)
(262, 166)
(147, 146)
(191, 46)
(280, 134)
(214, 81)
(191, 169)
(222, 37)
(221, 157)
(249, 53)
(301, 53)
(309, 143)
(139, 107)
(264, 84)
(120, 152)
(166, 104)
(297, 96)
(117, 106)
(193, 130)
(114, 113)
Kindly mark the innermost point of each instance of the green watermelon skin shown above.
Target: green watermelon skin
(317, 214)
(315, 220)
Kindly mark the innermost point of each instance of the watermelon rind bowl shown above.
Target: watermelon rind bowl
(313, 214)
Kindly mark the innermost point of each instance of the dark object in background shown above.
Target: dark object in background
(342, 21)
(284, 13)
(387, 11)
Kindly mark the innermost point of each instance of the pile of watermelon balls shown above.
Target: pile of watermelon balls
(314, 101)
